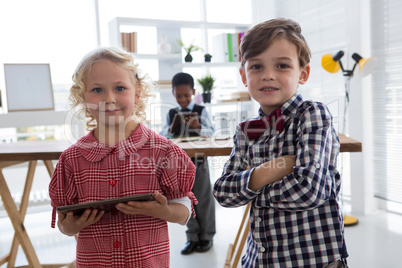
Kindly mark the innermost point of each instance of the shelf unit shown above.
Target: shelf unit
(170, 64)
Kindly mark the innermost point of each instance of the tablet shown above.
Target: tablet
(107, 205)
(178, 118)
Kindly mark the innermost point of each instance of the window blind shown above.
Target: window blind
(386, 41)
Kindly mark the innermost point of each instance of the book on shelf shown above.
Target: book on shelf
(220, 48)
(226, 47)
(129, 41)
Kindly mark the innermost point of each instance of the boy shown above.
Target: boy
(201, 229)
(295, 218)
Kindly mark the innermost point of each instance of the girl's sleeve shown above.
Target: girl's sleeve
(177, 174)
(61, 189)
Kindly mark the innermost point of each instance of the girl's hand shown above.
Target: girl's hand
(159, 208)
(156, 208)
(71, 224)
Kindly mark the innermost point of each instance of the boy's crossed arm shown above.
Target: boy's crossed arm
(271, 171)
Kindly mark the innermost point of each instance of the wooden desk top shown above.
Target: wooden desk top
(51, 150)
(349, 145)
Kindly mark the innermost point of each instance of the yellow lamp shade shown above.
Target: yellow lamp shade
(367, 66)
(329, 64)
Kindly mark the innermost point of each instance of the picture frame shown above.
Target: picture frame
(28, 87)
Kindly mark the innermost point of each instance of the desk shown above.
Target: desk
(46, 151)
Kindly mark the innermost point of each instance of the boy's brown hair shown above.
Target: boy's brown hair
(260, 37)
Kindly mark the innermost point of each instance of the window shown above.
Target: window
(45, 31)
(387, 98)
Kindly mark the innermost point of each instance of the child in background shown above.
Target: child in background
(119, 157)
(201, 229)
(284, 161)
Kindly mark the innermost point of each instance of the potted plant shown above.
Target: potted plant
(207, 83)
(207, 57)
(188, 49)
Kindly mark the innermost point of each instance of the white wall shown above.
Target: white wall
(360, 117)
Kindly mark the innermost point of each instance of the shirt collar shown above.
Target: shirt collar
(190, 106)
(94, 150)
(287, 108)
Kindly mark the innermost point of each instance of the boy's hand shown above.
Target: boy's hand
(272, 171)
(193, 122)
(71, 224)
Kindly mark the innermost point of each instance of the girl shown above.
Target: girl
(119, 157)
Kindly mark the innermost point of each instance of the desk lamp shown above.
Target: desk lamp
(332, 64)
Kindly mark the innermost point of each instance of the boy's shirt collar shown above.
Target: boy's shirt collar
(287, 108)
(190, 106)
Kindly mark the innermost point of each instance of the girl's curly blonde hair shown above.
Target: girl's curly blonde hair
(125, 60)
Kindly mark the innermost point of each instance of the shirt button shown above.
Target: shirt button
(258, 219)
(317, 166)
(116, 244)
(262, 249)
(112, 182)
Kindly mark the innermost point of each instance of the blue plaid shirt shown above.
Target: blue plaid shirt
(296, 221)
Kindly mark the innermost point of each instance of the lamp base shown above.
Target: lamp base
(349, 220)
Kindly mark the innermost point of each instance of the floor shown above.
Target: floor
(376, 241)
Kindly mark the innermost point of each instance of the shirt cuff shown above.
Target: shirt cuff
(248, 183)
(185, 201)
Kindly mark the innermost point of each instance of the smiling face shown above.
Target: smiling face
(109, 94)
(183, 94)
(273, 76)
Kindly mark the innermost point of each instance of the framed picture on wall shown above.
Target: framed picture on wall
(28, 87)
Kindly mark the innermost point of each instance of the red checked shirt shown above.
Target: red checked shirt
(90, 171)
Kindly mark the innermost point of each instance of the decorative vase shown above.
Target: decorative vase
(164, 47)
(188, 58)
(198, 98)
(206, 97)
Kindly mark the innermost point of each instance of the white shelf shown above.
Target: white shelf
(33, 118)
(161, 57)
(227, 103)
(176, 23)
(207, 64)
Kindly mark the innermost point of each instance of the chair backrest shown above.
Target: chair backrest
(235, 250)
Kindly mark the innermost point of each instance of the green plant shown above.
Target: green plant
(207, 83)
(190, 48)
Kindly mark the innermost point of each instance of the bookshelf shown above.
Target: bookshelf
(170, 64)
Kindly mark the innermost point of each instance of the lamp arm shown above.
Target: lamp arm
(340, 63)
(353, 69)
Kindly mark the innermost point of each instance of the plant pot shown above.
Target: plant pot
(188, 58)
(207, 58)
(206, 97)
